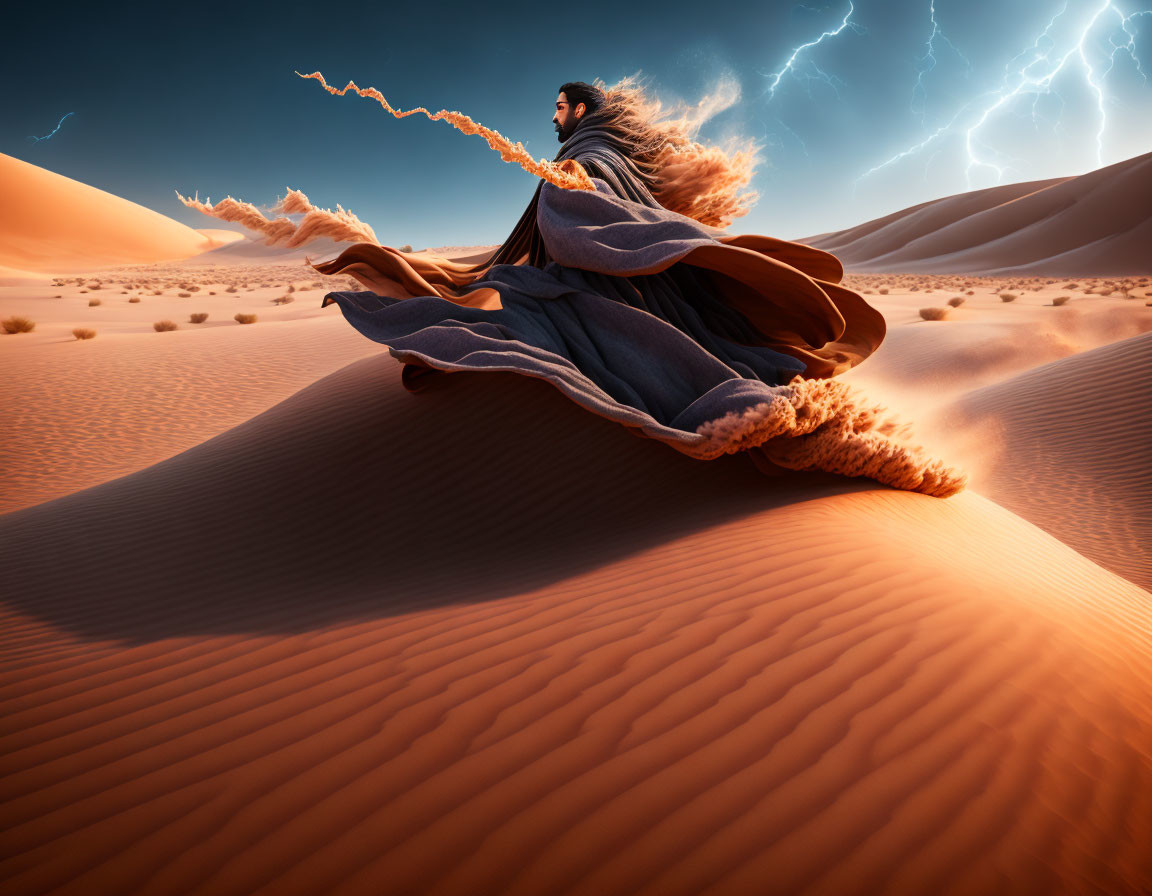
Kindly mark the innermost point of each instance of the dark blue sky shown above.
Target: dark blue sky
(198, 97)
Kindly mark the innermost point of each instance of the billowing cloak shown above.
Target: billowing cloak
(710, 342)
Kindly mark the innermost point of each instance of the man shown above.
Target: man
(568, 115)
(633, 301)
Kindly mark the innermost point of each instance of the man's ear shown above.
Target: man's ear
(580, 110)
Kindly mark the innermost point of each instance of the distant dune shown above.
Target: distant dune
(53, 224)
(220, 237)
(1096, 225)
(253, 250)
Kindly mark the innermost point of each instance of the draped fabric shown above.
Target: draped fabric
(710, 342)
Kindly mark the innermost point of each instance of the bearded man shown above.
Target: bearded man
(634, 301)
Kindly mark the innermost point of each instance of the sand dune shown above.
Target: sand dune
(1074, 451)
(16, 277)
(370, 642)
(220, 237)
(249, 250)
(54, 224)
(1096, 224)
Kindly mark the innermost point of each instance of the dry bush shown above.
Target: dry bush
(1060, 300)
(244, 318)
(934, 313)
(230, 289)
(184, 295)
(93, 302)
(1007, 297)
(18, 325)
(58, 297)
(283, 300)
(956, 301)
(199, 317)
(94, 286)
(211, 293)
(83, 333)
(406, 248)
(883, 290)
(157, 292)
(291, 288)
(163, 325)
(134, 299)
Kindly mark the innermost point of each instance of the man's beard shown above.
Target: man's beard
(563, 133)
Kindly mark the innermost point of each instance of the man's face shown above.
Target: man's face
(566, 117)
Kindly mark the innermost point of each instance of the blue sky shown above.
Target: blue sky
(863, 107)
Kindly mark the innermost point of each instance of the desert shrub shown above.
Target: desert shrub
(244, 318)
(18, 325)
(199, 317)
(1007, 297)
(211, 293)
(84, 333)
(406, 248)
(157, 292)
(1060, 300)
(883, 290)
(971, 292)
(230, 289)
(163, 325)
(95, 286)
(283, 300)
(291, 288)
(184, 295)
(934, 313)
(956, 301)
(134, 299)
(93, 302)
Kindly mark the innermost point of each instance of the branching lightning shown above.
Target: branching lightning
(48, 136)
(1032, 72)
(791, 66)
(927, 62)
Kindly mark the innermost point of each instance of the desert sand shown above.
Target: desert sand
(273, 624)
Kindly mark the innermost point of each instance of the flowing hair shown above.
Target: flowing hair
(707, 183)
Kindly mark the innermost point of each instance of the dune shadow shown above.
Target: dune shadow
(355, 498)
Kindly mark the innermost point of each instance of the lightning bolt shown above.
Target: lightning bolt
(791, 65)
(38, 139)
(1032, 72)
(926, 63)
